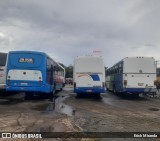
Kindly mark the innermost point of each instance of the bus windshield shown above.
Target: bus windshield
(3, 57)
(139, 65)
(88, 64)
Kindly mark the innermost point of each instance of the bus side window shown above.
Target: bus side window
(55, 68)
(48, 65)
(48, 68)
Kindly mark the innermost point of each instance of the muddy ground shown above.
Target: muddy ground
(110, 113)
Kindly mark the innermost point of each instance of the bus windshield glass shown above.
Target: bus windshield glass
(3, 57)
(139, 65)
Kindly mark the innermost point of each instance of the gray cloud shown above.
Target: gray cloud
(66, 29)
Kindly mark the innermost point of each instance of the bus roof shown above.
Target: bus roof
(34, 52)
(37, 52)
(88, 56)
(137, 57)
(126, 58)
(88, 64)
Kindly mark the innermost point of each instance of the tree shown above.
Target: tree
(69, 71)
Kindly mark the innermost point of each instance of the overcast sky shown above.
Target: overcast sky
(65, 29)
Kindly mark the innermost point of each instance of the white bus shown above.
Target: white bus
(132, 75)
(3, 60)
(89, 75)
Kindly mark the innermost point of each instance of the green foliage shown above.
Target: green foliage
(69, 71)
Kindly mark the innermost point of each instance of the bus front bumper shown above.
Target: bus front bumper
(89, 90)
(42, 88)
(140, 90)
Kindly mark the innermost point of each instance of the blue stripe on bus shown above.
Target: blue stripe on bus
(137, 90)
(42, 88)
(95, 77)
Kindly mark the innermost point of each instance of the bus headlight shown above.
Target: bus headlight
(40, 79)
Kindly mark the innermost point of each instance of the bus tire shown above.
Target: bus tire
(29, 95)
(97, 95)
(51, 94)
(54, 89)
(114, 91)
(136, 95)
(77, 95)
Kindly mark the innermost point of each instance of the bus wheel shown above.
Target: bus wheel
(51, 94)
(136, 95)
(97, 95)
(114, 91)
(77, 95)
(54, 89)
(29, 95)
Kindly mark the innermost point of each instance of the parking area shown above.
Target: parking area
(110, 113)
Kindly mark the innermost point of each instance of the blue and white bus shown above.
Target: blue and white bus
(132, 75)
(31, 71)
(89, 75)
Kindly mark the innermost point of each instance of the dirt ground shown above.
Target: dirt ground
(110, 113)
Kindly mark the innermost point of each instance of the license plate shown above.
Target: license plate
(89, 90)
(24, 84)
(140, 84)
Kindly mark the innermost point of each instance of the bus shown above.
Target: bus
(132, 75)
(89, 75)
(33, 72)
(3, 63)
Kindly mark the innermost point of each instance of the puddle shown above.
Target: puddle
(56, 106)
(63, 108)
(109, 101)
(154, 109)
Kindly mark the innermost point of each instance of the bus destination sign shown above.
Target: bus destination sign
(26, 60)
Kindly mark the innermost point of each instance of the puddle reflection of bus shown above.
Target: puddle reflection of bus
(3, 62)
(33, 73)
(132, 75)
